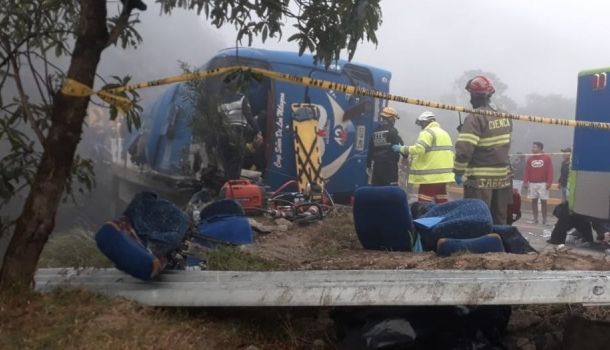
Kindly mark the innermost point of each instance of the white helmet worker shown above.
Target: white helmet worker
(425, 118)
(389, 113)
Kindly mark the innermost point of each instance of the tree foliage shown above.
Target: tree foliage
(324, 28)
(36, 38)
(39, 37)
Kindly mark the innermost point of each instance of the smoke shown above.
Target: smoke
(535, 48)
(167, 41)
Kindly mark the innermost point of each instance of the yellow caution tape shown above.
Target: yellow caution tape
(74, 88)
(182, 78)
(349, 89)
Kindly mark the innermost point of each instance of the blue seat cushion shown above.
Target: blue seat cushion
(127, 253)
(382, 218)
(221, 207)
(223, 221)
(160, 225)
(466, 218)
(229, 229)
(491, 243)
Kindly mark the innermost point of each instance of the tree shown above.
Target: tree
(36, 32)
(553, 137)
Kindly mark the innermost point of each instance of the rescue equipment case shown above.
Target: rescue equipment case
(247, 193)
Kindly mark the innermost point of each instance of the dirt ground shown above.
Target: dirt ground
(333, 244)
(541, 326)
(79, 319)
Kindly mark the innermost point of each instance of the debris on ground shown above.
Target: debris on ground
(334, 245)
(262, 228)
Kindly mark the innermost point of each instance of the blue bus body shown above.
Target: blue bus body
(590, 171)
(345, 122)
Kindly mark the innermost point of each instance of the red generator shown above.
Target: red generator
(250, 196)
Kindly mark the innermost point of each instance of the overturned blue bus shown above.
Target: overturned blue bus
(589, 185)
(168, 152)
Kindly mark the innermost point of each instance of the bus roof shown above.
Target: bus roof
(593, 71)
(284, 57)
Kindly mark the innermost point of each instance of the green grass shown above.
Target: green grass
(234, 259)
(75, 248)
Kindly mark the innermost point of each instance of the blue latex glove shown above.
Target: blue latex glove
(458, 180)
(396, 148)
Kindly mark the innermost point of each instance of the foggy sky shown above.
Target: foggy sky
(181, 36)
(532, 46)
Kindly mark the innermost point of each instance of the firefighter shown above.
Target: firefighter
(432, 160)
(235, 107)
(254, 156)
(381, 157)
(481, 153)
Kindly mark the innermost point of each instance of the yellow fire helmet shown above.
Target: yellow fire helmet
(389, 113)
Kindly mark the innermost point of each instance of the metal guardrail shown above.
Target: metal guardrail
(339, 287)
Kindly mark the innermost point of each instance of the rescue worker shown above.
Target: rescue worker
(432, 160)
(564, 173)
(568, 220)
(235, 107)
(381, 157)
(254, 157)
(481, 153)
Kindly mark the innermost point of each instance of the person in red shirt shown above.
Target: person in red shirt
(538, 178)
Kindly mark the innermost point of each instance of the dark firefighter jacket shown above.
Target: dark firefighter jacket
(380, 146)
(481, 151)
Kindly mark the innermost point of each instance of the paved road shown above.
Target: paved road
(538, 234)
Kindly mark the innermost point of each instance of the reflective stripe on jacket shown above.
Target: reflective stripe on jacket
(432, 156)
(234, 111)
(481, 151)
(380, 145)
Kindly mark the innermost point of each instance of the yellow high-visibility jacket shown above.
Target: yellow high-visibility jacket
(432, 156)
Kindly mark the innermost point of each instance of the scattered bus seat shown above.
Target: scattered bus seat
(223, 222)
(140, 241)
(383, 219)
(491, 243)
(127, 252)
